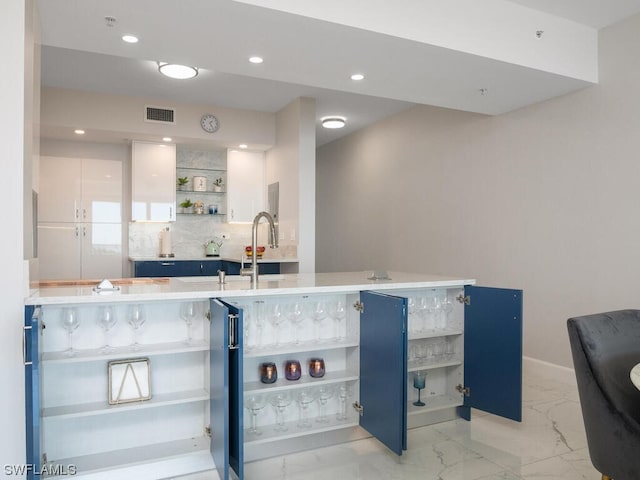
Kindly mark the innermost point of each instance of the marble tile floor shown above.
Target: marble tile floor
(549, 444)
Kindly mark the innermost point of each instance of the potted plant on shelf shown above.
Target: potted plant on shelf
(217, 184)
(186, 206)
(182, 183)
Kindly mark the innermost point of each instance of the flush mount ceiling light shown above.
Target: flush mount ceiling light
(357, 77)
(79, 131)
(333, 122)
(173, 70)
(166, 139)
(130, 38)
(243, 145)
(256, 59)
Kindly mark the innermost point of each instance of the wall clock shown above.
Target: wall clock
(209, 123)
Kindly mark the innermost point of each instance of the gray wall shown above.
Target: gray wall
(545, 198)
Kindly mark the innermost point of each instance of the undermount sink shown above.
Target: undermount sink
(231, 278)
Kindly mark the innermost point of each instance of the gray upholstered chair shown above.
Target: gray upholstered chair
(605, 348)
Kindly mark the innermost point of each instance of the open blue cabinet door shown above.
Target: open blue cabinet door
(383, 369)
(493, 351)
(226, 400)
(32, 387)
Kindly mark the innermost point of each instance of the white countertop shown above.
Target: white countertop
(177, 258)
(177, 288)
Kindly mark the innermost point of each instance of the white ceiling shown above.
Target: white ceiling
(303, 57)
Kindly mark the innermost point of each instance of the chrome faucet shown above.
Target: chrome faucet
(273, 243)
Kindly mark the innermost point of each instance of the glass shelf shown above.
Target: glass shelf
(204, 214)
(208, 192)
(197, 169)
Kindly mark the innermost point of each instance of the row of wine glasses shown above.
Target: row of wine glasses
(429, 313)
(304, 398)
(260, 315)
(107, 319)
(432, 351)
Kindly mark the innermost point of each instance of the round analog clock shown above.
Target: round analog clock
(209, 123)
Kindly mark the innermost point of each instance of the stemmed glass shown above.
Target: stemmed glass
(339, 313)
(296, 317)
(418, 383)
(106, 319)
(304, 399)
(324, 394)
(276, 318)
(318, 314)
(136, 318)
(258, 322)
(280, 403)
(447, 308)
(70, 322)
(254, 405)
(188, 313)
(344, 392)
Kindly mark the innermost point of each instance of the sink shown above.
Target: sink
(231, 278)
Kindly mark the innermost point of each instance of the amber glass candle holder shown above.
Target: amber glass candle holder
(292, 370)
(268, 372)
(316, 367)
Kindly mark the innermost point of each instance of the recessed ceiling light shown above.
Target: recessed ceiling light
(130, 38)
(256, 59)
(333, 122)
(357, 76)
(173, 70)
(79, 131)
(166, 139)
(243, 145)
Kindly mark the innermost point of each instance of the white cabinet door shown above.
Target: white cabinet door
(245, 178)
(101, 250)
(101, 191)
(153, 190)
(59, 251)
(60, 189)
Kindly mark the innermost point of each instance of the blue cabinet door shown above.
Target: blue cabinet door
(226, 396)
(210, 267)
(383, 369)
(32, 388)
(493, 351)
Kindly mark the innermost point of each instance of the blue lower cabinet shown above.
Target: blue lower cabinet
(176, 268)
(32, 322)
(233, 268)
(210, 267)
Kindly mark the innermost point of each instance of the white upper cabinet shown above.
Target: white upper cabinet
(101, 191)
(245, 178)
(153, 190)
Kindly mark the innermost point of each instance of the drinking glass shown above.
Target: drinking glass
(344, 393)
(447, 308)
(258, 322)
(106, 319)
(70, 322)
(254, 405)
(318, 314)
(304, 399)
(280, 403)
(324, 394)
(136, 318)
(188, 313)
(418, 383)
(295, 316)
(339, 313)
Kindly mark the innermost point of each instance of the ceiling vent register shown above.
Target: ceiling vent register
(159, 115)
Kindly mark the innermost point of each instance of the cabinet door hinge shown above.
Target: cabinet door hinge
(207, 431)
(233, 331)
(462, 299)
(359, 306)
(358, 408)
(208, 315)
(466, 391)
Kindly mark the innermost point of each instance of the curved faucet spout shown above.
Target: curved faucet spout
(273, 243)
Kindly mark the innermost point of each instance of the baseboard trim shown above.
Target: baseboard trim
(533, 366)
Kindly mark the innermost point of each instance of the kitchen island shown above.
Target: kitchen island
(347, 349)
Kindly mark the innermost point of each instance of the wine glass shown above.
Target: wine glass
(447, 308)
(295, 316)
(258, 322)
(324, 394)
(188, 313)
(339, 313)
(70, 323)
(254, 404)
(280, 403)
(136, 318)
(318, 314)
(304, 399)
(344, 393)
(418, 383)
(106, 319)
(276, 318)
